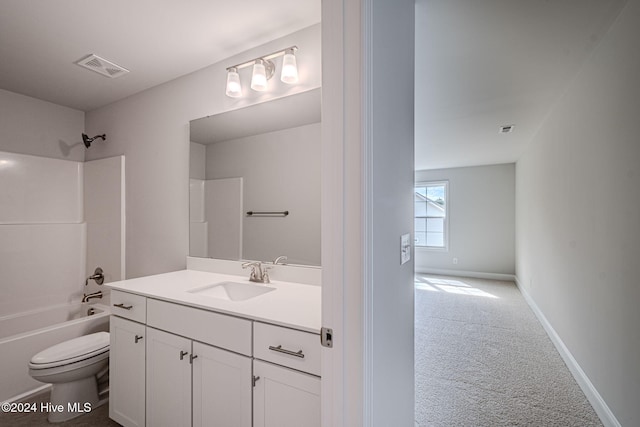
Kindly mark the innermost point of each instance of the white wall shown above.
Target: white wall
(42, 238)
(42, 234)
(481, 221)
(281, 172)
(198, 227)
(367, 203)
(223, 215)
(389, 197)
(40, 128)
(104, 213)
(152, 130)
(197, 161)
(577, 218)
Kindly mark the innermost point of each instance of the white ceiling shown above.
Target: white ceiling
(157, 40)
(485, 63)
(479, 64)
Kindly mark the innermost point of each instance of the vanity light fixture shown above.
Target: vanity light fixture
(263, 70)
(234, 88)
(289, 67)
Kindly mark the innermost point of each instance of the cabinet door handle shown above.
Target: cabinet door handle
(138, 338)
(121, 305)
(254, 380)
(279, 349)
(183, 354)
(191, 357)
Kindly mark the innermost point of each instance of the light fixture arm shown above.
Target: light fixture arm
(265, 58)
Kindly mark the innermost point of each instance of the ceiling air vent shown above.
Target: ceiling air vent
(102, 66)
(506, 129)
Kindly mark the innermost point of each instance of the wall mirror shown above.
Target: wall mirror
(255, 182)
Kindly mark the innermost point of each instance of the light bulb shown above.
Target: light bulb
(289, 68)
(234, 88)
(259, 77)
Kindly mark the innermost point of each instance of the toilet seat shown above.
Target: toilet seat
(73, 369)
(93, 346)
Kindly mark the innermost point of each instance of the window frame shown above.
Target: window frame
(437, 183)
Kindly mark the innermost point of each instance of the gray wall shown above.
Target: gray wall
(578, 217)
(481, 221)
(280, 171)
(388, 212)
(152, 129)
(40, 128)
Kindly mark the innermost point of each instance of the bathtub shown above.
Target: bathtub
(25, 334)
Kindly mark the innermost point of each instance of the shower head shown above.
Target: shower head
(87, 141)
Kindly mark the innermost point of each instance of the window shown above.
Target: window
(431, 214)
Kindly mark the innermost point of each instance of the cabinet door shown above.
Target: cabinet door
(127, 372)
(168, 380)
(221, 388)
(285, 398)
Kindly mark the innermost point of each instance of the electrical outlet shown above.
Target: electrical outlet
(455, 260)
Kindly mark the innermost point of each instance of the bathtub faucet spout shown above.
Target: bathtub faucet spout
(93, 295)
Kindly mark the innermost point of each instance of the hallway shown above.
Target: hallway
(483, 359)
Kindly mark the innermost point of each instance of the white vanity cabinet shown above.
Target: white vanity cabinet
(168, 396)
(221, 387)
(174, 364)
(283, 397)
(127, 372)
(286, 394)
(184, 374)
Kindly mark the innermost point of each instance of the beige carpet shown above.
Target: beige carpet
(483, 359)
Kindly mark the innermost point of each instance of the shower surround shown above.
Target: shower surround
(59, 220)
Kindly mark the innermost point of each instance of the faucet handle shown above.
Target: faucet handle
(98, 276)
(265, 276)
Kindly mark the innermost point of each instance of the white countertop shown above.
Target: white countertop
(292, 305)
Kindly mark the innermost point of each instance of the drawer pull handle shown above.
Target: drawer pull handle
(138, 338)
(183, 354)
(279, 349)
(121, 305)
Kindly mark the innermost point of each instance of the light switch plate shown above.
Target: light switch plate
(405, 248)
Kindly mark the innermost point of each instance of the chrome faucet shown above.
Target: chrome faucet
(258, 272)
(93, 295)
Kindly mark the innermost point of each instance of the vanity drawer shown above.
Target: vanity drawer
(129, 306)
(220, 330)
(287, 347)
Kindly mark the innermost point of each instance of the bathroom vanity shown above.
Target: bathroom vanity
(200, 348)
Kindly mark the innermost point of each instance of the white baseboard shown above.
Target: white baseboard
(26, 395)
(463, 273)
(598, 403)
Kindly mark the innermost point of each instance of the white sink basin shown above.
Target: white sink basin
(232, 291)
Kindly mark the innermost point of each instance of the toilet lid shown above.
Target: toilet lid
(76, 348)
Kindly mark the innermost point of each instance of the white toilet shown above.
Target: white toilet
(73, 367)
